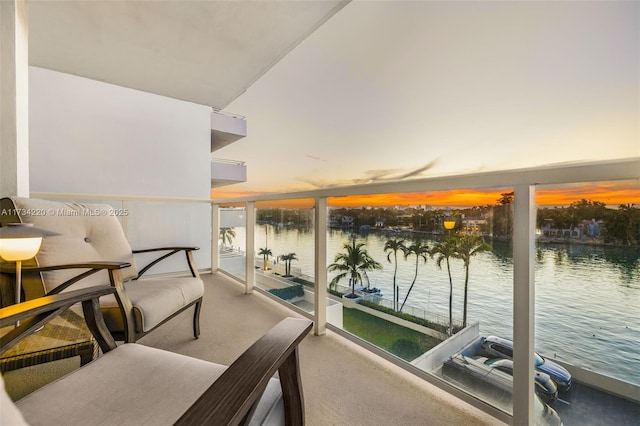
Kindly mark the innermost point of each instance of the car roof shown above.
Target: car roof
(500, 362)
(499, 340)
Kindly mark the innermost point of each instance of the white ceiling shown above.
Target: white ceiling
(207, 52)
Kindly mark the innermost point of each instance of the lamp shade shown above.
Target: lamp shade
(449, 224)
(21, 241)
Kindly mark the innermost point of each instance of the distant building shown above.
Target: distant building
(473, 225)
(346, 221)
(592, 228)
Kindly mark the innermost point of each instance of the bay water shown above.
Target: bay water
(587, 310)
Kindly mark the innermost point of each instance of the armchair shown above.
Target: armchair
(136, 384)
(91, 234)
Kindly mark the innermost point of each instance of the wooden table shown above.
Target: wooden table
(65, 336)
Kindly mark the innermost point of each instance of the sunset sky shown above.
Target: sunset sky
(611, 193)
(386, 88)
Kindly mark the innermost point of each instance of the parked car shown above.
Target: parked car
(493, 385)
(545, 386)
(497, 347)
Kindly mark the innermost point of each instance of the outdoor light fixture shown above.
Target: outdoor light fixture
(19, 242)
(449, 224)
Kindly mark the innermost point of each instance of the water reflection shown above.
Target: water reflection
(587, 297)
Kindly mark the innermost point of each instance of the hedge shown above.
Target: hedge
(408, 317)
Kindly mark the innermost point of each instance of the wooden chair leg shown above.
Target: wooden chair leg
(289, 373)
(196, 319)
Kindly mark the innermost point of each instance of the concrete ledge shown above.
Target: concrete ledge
(607, 384)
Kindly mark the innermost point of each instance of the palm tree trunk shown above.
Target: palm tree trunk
(450, 300)
(466, 287)
(395, 271)
(411, 287)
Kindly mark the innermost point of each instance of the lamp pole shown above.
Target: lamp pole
(449, 225)
(19, 242)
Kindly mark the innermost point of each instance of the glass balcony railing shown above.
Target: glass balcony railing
(515, 291)
(452, 278)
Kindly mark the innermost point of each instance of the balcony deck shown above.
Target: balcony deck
(343, 383)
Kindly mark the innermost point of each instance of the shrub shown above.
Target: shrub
(408, 317)
(335, 292)
(303, 282)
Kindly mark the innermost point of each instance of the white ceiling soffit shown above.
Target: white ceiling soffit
(207, 52)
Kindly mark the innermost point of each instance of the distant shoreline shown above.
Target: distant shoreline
(576, 241)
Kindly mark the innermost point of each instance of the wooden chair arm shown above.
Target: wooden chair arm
(115, 281)
(93, 267)
(98, 265)
(232, 398)
(34, 313)
(164, 249)
(172, 250)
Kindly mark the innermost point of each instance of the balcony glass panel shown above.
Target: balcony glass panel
(418, 243)
(587, 298)
(232, 240)
(285, 251)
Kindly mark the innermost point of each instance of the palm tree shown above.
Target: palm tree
(353, 263)
(468, 245)
(444, 251)
(226, 235)
(392, 246)
(287, 258)
(265, 253)
(420, 251)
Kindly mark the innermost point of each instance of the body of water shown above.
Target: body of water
(587, 297)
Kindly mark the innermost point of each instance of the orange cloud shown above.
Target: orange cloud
(610, 193)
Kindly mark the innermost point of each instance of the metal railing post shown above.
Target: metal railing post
(215, 232)
(320, 295)
(250, 271)
(524, 226)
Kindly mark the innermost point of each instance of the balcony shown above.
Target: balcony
(356, 381)
(226, 128)
(227, 172)
(373, 391)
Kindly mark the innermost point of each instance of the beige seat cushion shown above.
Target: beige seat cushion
(135, 385)
(153, 300)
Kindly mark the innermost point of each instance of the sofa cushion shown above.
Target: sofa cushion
(159, 387)
(9, 413)
(153, 299)
(89, 232)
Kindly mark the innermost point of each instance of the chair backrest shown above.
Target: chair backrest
(88, 232)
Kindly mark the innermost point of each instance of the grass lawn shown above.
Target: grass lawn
(400, 341)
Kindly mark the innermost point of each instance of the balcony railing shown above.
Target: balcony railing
(524, 183)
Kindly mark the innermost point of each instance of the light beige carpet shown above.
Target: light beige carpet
(343, 383)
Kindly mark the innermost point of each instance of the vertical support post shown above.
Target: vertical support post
(14, 98)
(524, 226)
(250, 271)
(215, 232)
(320, 295)
(18, 284)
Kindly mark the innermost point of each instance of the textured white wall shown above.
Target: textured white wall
(89, 137)
(92, 137)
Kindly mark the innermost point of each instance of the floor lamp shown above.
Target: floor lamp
(20, 242)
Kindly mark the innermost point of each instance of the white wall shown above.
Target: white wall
(91, 137)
